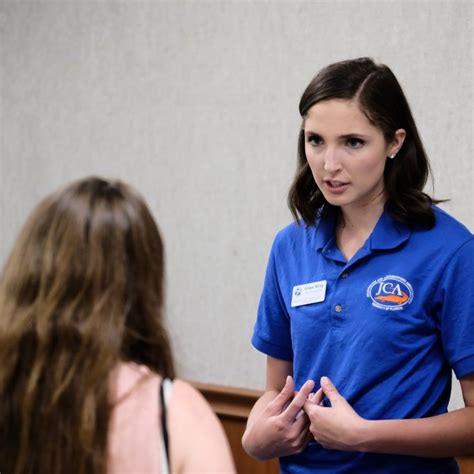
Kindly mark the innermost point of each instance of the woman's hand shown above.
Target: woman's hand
(337, 426)
(281, 429)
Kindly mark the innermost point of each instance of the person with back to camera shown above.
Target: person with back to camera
(368, 298)
(85, 359)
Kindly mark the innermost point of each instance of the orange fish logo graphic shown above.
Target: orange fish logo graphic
(394, 298)
(391, 293)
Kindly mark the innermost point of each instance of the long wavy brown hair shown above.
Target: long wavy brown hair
(81, 291)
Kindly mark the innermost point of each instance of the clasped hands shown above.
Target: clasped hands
(337, 426)
(292, 419)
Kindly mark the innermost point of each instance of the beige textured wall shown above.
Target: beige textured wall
(195, 103)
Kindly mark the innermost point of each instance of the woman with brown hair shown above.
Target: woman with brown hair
(367, 298)
(83, 348)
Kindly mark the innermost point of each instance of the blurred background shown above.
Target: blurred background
(195, 103)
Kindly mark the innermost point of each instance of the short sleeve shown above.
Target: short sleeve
(457, 312)
(272, 332)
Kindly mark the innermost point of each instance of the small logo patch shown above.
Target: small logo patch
(390, 293)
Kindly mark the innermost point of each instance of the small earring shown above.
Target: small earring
(392, 156)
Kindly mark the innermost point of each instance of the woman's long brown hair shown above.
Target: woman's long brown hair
(81, 291)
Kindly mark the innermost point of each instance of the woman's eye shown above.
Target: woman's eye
(315, 140)
(354, 142)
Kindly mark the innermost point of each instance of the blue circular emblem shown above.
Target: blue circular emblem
(390, 293)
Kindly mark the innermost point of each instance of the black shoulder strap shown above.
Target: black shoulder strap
(164, 423)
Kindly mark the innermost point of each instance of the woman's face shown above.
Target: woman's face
(347, 154)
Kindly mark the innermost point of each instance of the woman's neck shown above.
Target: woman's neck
(360, 219)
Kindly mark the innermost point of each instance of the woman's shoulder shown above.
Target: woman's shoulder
(184, 393)
(300, 239)
(131, 377)
(296, 232)
(189, 405)
(445, 221)
(191, 417)
(448, 231)
(133, 383)
(445, 239)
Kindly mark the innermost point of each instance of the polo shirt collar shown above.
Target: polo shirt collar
(387, 234)
(325, 232)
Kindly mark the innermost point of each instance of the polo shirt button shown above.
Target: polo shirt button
(345, 275)
(338, 308)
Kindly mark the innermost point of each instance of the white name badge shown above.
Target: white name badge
(308, 293)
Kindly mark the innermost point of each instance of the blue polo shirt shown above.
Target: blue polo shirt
(387, 326)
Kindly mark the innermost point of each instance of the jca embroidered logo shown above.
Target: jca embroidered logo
(390, 293)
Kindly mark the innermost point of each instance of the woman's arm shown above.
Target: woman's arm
(197, 440)
(277, 425)
(340, 427)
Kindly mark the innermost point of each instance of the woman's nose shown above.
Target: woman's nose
(331, 160)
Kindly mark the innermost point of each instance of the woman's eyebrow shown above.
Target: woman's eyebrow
(344, 136)
(354, 134)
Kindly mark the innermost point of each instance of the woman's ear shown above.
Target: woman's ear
(397, 142)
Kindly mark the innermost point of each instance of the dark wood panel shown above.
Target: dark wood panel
(466, 464)
(233, 405)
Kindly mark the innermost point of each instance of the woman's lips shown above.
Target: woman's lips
(335, 186)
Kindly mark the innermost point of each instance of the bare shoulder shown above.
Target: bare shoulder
(198, 441)
(188, 398)
(188, 406)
